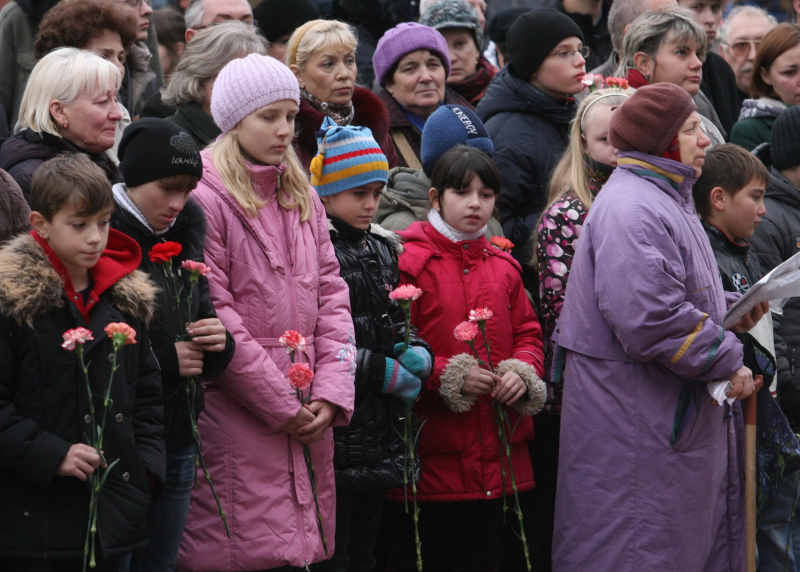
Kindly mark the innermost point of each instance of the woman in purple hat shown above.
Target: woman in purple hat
(411, 65)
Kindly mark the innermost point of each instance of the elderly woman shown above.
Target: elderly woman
(105, 28)
(657, 485)
(460, 24)
(189, 89)
(69, 106)
(670, 46)
(412, 65)
(774, 85)
(322, 54)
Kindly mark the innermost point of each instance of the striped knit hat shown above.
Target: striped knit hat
(348, 157)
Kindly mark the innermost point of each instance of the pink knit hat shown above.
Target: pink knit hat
(247, 84)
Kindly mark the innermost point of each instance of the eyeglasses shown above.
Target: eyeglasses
(569, 54)
(136, 3)
(253, 23)
(743, 48)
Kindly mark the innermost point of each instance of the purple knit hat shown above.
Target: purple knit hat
(247, 84)
(404, 39)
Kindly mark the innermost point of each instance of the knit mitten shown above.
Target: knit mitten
(400, 382)
(416, 359)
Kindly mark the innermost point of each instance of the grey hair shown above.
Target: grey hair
(652, 30)
(205, 56)
(620, 15)
(194, 14)
(743, 11)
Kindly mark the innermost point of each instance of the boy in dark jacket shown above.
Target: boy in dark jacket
(161, 166)
(369, 453)
(73, 271)
(729, 197)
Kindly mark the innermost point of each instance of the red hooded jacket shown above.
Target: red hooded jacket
(460, 452)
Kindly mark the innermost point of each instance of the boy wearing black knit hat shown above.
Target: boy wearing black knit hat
(162, 165)
(777, 239)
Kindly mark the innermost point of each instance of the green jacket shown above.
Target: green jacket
(755, 122)
(405, 200)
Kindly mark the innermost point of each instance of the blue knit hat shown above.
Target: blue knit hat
(448, 126)
(347, 157)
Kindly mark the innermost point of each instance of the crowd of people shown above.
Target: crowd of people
(379, 285)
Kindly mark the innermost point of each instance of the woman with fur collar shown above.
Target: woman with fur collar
(321, 53)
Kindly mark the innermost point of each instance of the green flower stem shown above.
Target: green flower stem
(518, 507)
(312, 478)
(191, 388)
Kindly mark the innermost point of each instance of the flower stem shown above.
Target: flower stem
(312, 478)
(191, 388)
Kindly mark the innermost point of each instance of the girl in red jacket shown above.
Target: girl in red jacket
(461, 488)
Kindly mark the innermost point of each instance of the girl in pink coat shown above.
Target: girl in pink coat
(273, 270)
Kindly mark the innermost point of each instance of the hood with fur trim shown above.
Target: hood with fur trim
(30, 285)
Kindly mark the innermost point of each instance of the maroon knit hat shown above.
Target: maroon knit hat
(650, 118)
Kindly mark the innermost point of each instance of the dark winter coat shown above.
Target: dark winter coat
(14, 211)
(44, 406)
(189, 231)
(369, 112)
(140, 82)
(719, 85)
(400, 124)
(197, 123)
(738, 264)
(755, 122)
(369, 453)
(22, 154)
(530, 131)
(777, 239)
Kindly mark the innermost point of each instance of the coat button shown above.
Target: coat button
(87, 419)
(119, 417)
(111, 358)
(372, 265)
(26, 513)
(466, 271)
(126, 476)
(466, 247)
(488, 493)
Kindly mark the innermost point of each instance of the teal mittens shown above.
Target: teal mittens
(398, 381)
(416, 359)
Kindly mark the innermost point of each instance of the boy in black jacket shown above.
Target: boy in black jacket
(73, 272)
(729, 197)
(161, 166)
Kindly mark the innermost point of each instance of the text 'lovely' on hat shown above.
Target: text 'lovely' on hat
(153, 149)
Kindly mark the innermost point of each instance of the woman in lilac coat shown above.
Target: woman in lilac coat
(650, 472)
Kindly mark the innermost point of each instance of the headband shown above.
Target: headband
(302, 29)
(583, 115)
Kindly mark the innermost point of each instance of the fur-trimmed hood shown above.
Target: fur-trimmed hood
(30, 286)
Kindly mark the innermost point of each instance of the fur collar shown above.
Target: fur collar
(369, 112)
(30, 286)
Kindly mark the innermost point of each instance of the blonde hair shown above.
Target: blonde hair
(315, 35)
(293, 191)
(570, 173)
(62, 75)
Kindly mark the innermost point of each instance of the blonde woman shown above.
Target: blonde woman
(585, 167)
(273, 269)
(322, 54)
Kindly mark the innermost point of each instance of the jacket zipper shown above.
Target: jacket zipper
(791, 365)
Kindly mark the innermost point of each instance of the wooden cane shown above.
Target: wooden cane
(750, 474)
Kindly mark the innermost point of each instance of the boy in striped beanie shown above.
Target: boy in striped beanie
(349, 173)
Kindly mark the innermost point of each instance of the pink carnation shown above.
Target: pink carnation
(480, 315)
(198, 267)
(293, 341)
(405, 292)
(588, 80)
(77, 336)
(121, 330)
(466, 332)
(300, 376)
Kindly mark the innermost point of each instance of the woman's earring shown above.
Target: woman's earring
(65, 124)
(647, 77)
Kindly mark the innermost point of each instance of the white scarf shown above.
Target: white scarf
(123, 200)
(448, 231)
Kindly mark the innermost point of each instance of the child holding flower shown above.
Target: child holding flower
(161, 166)
(273, 269)
(369, 454)
(462, 484)
(73, 275)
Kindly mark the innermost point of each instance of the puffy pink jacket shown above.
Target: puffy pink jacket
(270, 274)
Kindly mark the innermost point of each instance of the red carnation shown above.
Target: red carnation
(164, 251)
